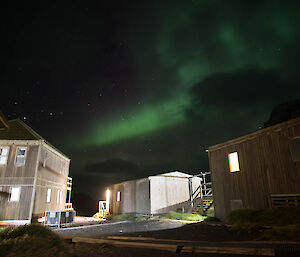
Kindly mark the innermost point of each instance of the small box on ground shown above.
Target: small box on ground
(59, 218)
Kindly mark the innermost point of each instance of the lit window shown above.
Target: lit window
(118, 196)
(59, 195)
(49, 195)
(295, 149)
(15, 194)
(3, 155)
(20, 159)
(233, 162)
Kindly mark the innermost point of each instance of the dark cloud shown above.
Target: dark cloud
(235, 93)
(115, 166)
(283, 112)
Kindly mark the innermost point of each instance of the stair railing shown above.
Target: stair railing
(202, 192)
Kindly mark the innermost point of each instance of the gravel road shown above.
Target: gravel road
(117, 228)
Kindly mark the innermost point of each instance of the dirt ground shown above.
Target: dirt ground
(102, 250)
(203, 231)
(203, 234)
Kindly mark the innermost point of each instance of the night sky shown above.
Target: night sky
(132, 88)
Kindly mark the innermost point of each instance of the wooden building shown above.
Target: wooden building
(260, 170)
(33, 174)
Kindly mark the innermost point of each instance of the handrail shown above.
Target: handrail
(203, 173)
(69, 183)
(196, 191)
(203, 190)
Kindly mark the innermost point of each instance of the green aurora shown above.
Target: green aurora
(198, 39)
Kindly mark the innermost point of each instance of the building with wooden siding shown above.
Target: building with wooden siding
(33, 173)
(260, 170)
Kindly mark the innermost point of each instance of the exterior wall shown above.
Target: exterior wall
(134, 197)
(168, 193)
(115, 206)
(196, 182)
(128, 197)
(15, 210)
(53, 170)
(266, 167)
(13, 175)
(143, 196)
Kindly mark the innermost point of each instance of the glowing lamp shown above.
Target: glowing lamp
(107, 199)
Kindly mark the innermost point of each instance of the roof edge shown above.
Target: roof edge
(254, 134)
(4, 121)
(39, 137)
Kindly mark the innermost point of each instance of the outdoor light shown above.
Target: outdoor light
(107, 199)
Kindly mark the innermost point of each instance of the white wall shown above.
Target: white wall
(196, 182)
(135, 197)
(168, 193)
(143, 196)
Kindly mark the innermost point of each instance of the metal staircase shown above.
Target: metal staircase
(203, 205)
(202, 198)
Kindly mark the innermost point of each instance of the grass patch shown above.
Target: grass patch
(31, 240)
(3, 227)
(276, 216)
(274, 224)
(212, 219)
(183, 216)
(210, 212)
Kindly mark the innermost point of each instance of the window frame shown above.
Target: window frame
(25, 154)
(4, 156)
(11, 194)
(48, 195)
(232, 157)
(59, 196)
(292, 147)
(119, 196)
